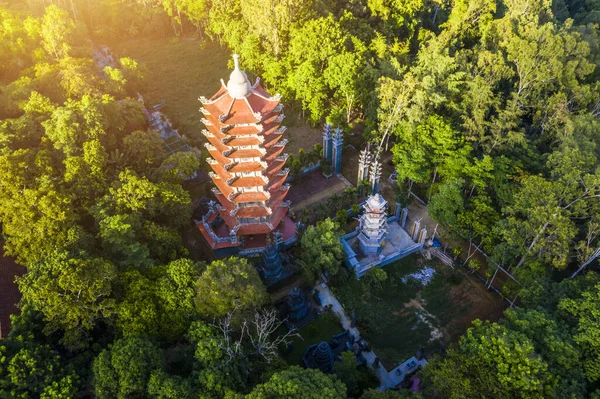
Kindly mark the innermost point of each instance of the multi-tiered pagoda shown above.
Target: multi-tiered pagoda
(245, 142)
(373, 225)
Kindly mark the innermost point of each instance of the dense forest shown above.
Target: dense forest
(492, 109)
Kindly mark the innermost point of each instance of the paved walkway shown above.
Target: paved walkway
(386, 379)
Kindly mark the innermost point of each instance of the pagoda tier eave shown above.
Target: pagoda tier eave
(255, 228)
(240, 110)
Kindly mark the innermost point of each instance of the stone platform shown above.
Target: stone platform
(398, 244)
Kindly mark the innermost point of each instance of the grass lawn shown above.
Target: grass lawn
(180, 72)
(323, 328)
(400, 318)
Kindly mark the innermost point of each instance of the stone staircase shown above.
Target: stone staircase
(441, 256)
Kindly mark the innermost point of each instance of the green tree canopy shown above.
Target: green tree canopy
(229, 284)
(124, 370)
(299, 383)
(322, 250)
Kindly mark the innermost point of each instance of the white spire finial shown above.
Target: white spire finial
(238, 85)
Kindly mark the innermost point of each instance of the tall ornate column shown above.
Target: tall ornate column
(338, 140)
(364, 161)
(375, 175)
(327, 145)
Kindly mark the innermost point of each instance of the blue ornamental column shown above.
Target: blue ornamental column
(338, 140)
(404, 217)
(327, 147)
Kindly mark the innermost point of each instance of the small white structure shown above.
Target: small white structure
(373, 225)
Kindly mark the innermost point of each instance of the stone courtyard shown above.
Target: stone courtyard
(396, 241)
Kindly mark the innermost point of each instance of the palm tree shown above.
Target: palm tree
(334, 202)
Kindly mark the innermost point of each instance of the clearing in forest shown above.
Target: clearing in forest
(399, 318)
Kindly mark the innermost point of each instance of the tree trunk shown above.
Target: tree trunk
(493, 277)
(469, 253)
(435, 13)
(432, 181)
(74, 12)
(472, 189)
(174, 25)
(535, 240)
(90, 16)
(180, 20)
(276, 44)
(348, 108)
(587, 262)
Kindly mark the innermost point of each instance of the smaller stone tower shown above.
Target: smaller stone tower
(323, 358)
(373, 225)
(272, 263)
(297, 304)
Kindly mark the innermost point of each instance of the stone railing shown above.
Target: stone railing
(251, 251)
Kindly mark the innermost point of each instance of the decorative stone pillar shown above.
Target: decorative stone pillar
(364, 161)
(233, 237)
(422, 236)
(398, 211)
(278, 240)
(327, 144)
(338, 140)
(415, 230)
(404, 217)
(375, 176)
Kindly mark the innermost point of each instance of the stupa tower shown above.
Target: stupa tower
(245, 143)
